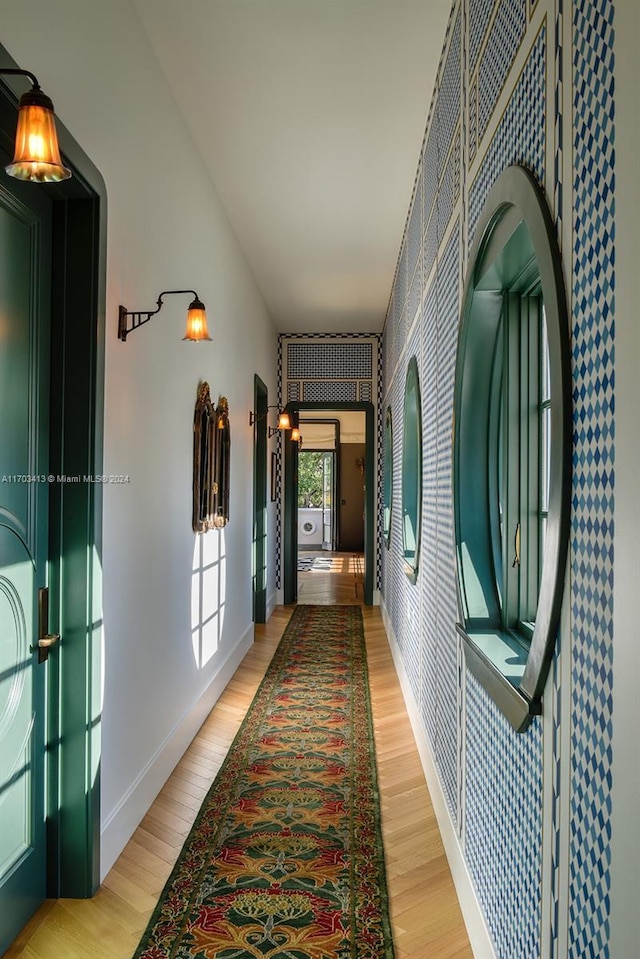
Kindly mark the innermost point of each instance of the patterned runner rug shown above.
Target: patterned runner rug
(285, 860)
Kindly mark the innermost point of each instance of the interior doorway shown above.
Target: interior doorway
(329, 497)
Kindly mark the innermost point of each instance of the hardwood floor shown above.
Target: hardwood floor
(338, 579)
(426, 918)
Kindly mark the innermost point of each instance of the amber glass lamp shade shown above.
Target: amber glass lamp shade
(196, 322)
(37, 155)
(284, 423)
(295, 435)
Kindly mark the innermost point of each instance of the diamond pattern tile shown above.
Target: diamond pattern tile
(593, 478)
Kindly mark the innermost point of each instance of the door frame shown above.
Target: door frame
(336, 472)
(259, 578)
(75, 532)
(290, 510)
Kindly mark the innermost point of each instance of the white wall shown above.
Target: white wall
(166, 229)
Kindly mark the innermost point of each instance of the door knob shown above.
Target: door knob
(46, 640)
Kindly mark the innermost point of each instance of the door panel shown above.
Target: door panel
(260, 502)
(328, 499)
(25, 282)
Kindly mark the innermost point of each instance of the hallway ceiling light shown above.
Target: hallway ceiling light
(196, 329)
(36, 153)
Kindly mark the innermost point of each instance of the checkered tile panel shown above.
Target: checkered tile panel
(293, 391)
(448, 103)
(447, 691)
(330, 391)
(429, 579)
(447, 194)
(479, 16)
(505, 38)
(593, 478)
(521, 135)
(308, 361)
(503, 824)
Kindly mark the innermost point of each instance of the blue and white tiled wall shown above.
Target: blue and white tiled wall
(513, 74)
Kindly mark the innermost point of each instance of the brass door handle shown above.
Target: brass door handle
(46, 640)
(516, 547)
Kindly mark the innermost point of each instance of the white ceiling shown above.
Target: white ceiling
(309, 115)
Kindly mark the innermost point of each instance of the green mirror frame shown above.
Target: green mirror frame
(515, 208)
(387, 489)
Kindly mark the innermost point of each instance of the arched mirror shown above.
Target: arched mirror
(387, 490)
(411, 471)
(204, 449)
(512, 447)
(222, 463)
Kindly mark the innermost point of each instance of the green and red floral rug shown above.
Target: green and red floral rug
(285, 860)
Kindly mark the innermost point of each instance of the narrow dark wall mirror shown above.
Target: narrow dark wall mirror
(204, 448)
(222, 463)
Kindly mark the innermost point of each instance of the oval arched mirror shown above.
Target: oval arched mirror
(204, 447)
(222, 463)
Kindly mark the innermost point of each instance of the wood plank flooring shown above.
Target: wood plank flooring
(426, 918)
(341, 583)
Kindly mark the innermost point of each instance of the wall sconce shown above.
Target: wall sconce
(196, 329)
(295, 436)
(284, 422)
(36, 153)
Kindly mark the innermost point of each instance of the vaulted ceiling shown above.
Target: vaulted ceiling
(309, 115)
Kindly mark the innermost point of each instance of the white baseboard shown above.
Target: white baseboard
(118, 828)
(473, 916)
(272, 602)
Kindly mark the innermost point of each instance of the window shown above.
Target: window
(411, 471)
(387, 490)
(520, 436)
(512, 447)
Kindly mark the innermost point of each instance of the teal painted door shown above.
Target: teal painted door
(25, 290)
(260, 502)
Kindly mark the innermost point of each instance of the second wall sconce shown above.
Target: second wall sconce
(36, 153)
(196, 330)
(284, 423)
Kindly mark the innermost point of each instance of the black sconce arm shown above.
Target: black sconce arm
(15, 72)
(140, 317)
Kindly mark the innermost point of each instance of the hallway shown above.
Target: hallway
(425, 914)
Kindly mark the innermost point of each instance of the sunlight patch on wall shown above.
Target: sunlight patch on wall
(208, 595)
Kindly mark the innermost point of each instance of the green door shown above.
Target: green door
(260, 502)
(25, 285)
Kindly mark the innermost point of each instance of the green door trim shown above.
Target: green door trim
(75, 540)
(290, 530)
(260, 404)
